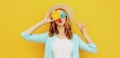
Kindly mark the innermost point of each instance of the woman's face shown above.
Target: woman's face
(60, 21)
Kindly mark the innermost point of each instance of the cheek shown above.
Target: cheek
(63, 20)
(57, 22)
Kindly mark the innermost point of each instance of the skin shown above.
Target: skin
(60, 27)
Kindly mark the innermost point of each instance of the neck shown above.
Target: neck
(61, 29)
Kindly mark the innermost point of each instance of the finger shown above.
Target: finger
(51, 20)
(79, 21)
(84, 25)
(48, 14)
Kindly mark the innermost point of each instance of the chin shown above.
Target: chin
(60, 24)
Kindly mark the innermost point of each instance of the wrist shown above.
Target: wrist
(43, 22)
(84, 32)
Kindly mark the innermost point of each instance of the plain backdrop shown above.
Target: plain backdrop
(101, 17)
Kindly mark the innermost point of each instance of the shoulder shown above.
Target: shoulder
(75, 35)
(75, 38)
(46, 33)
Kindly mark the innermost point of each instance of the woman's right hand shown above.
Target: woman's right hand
(47, 18)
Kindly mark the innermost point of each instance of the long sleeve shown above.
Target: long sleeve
(91, 47)
(41, 38)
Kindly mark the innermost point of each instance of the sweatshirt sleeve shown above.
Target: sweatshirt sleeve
(91, 47)
(41, 38)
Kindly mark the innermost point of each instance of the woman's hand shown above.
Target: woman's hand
(47, 18)
(81, 26)
(34, 27)
(83, 30)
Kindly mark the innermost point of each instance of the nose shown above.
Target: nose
(59, 19)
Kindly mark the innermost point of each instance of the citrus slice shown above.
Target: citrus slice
(55, 15)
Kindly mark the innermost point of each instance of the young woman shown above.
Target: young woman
(59, 41)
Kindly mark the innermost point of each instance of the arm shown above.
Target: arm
(27, 34)
(34, 27)
(41, 38)
(89, 46)
(87, 38)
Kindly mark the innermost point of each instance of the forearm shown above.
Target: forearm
(34, 27)
(88, 39)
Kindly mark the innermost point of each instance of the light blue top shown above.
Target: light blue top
(77, 42)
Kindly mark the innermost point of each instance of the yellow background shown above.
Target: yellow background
(101, 17)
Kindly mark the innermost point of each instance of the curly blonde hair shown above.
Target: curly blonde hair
(53, 27)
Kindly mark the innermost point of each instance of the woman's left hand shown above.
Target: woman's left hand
(81, 26)
(83, 30)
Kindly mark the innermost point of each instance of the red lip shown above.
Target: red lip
(60, 21)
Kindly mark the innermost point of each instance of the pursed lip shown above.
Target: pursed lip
(60, 21)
